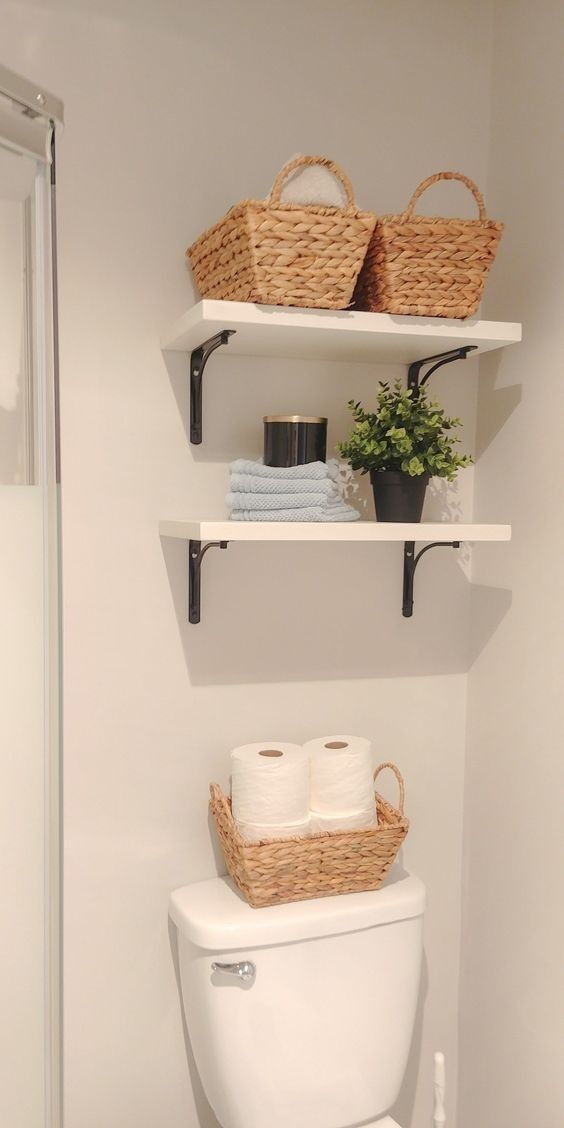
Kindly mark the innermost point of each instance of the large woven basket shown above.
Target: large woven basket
(428, 266)
(296, 869)
(285, 254)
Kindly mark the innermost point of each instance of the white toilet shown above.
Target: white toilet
(301, 1015)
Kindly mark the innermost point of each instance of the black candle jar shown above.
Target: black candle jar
(293, 440)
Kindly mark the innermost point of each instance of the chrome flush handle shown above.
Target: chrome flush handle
(244, 970)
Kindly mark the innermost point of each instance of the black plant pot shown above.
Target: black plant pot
(398, 496)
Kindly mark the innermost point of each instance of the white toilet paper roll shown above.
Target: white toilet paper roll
(360, 820)
(270, 784)
(341, 775)
(250, 833)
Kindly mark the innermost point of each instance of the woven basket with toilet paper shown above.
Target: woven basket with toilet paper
(311, 853)
(283, 253)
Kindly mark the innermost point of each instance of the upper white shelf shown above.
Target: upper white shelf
(343, 335)
(331, 531)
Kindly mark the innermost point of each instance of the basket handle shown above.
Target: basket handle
(447, 176)
(399, 778)
(289, 168)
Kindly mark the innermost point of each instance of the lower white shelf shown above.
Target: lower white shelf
(352, 531)
(203, 535)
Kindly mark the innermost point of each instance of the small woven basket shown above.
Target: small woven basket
(426, 265)
(285, 254)
(275, 871)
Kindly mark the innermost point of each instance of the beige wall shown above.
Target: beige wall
(174, 111)
(512, 1002)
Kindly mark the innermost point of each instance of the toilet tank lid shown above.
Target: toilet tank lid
(213, 915)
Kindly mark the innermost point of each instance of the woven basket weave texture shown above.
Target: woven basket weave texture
(428, 266)
(321, 865)
(286, 254)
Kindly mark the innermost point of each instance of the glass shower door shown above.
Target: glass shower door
(29, 652)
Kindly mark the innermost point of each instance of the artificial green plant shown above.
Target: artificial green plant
(407, 432)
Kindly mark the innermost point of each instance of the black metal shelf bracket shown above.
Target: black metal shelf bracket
(198, 360)
(196, 553)
(414, 371)
(410, 562)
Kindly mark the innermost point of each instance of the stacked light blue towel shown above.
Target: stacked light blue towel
(292, 493)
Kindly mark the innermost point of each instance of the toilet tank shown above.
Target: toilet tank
(319, 1036)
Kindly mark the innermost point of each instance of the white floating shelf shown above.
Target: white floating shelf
(354, 531)
(343, 335)
(203, 535)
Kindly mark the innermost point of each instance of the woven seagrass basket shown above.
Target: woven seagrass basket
(275, 871)
(285, 254)
(426, 265)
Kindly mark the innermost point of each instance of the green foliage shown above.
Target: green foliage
(405, 433)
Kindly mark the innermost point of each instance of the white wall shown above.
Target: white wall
(512, 1003)
(175, 111)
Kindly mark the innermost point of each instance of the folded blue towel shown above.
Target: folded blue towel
(262, 501)
(252, 483)
(342, 512)
(287, 493)
(318, 471)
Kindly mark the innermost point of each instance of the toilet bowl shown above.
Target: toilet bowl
(301, 1015)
